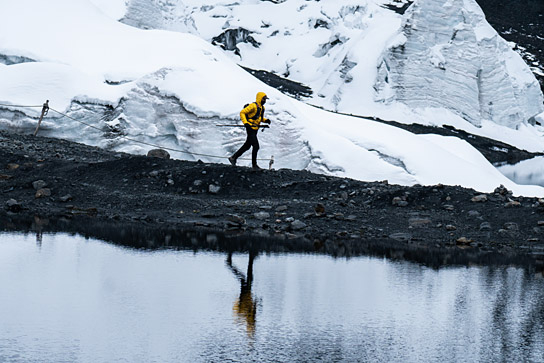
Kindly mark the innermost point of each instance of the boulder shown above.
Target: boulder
(158, 153)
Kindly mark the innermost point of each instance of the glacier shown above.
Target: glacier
(366, 55)
(127, 88)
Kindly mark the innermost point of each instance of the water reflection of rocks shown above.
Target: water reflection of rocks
(245, 306)
(141, 236)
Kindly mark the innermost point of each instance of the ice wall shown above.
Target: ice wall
(452, 58)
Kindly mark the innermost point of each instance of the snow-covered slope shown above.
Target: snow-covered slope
(365, 55)
(171, 89)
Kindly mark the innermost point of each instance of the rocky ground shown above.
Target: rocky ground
(54, 185)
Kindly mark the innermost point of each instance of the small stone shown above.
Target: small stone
(44, 192)
(479, 198)
(534, 239)
(399, 202)
(473, 213)
(154, 173)
(320, 208)
(485, 226)
(197, 183)
(450, 227)
(502, 190)
(297, 225)
(235, 219)
(158, 153)
(540, 223)
(5, 177)
(170, 182)
(512, 203)
(214, 189)
(261, 215)
(289, 219)
(403, 237)
(463, 241)
(13, 206)
(448, 207)
(65, 198)
(351, 218)
(419, 222)
(39, 184)
(339, 216)
(281, 208)
(511, 226)
(12, 166)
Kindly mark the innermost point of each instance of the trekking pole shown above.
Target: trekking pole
(261, 127)
(45, 109)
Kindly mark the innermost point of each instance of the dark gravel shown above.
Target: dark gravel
(91, 191)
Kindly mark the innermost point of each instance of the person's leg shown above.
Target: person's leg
(255, 144)
(245, 147)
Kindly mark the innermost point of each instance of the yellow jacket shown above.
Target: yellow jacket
(251, 116)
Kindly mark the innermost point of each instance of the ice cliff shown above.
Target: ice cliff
(450, 57)
(362, 56)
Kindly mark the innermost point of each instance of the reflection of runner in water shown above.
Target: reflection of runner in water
(245, 307)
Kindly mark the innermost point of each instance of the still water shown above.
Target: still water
(65, 298)
(526, 172)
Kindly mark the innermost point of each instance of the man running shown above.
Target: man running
(252, 115)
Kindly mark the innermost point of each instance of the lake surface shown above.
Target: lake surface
(64, 298)
(526, 172)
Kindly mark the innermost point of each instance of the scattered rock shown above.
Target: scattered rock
(450, 227)
(234, 218)
(13, 206)
(39, 184)
(403, 237)
(474, 213)
(448, 207)
(154, 173)
(419, 222)
(339, 216)
(297, 225)
(65, 198)
(261, 215)
(485, 226)
(463, 241)
(399, 202)
(479, 198)
(5, 177)
(319, 208)
(511, 226)
(281, 208)
(12, 166)
(158, 153)
(502, 190)
(512, 203)
(214, 189)
(44, 192)
(197, 183)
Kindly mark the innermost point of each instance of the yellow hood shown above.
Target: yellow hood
(260, 97)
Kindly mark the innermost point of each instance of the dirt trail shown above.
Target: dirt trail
(52, 184)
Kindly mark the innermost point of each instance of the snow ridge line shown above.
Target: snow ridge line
(271, 160)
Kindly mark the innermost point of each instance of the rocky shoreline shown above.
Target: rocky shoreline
(52, 185)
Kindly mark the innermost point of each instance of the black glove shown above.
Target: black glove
(267, 121)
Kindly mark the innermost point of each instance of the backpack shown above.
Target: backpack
(259, 112)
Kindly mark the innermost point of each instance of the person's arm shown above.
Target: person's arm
(244, 114)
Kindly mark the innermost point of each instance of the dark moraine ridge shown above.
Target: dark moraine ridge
(53, 185)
